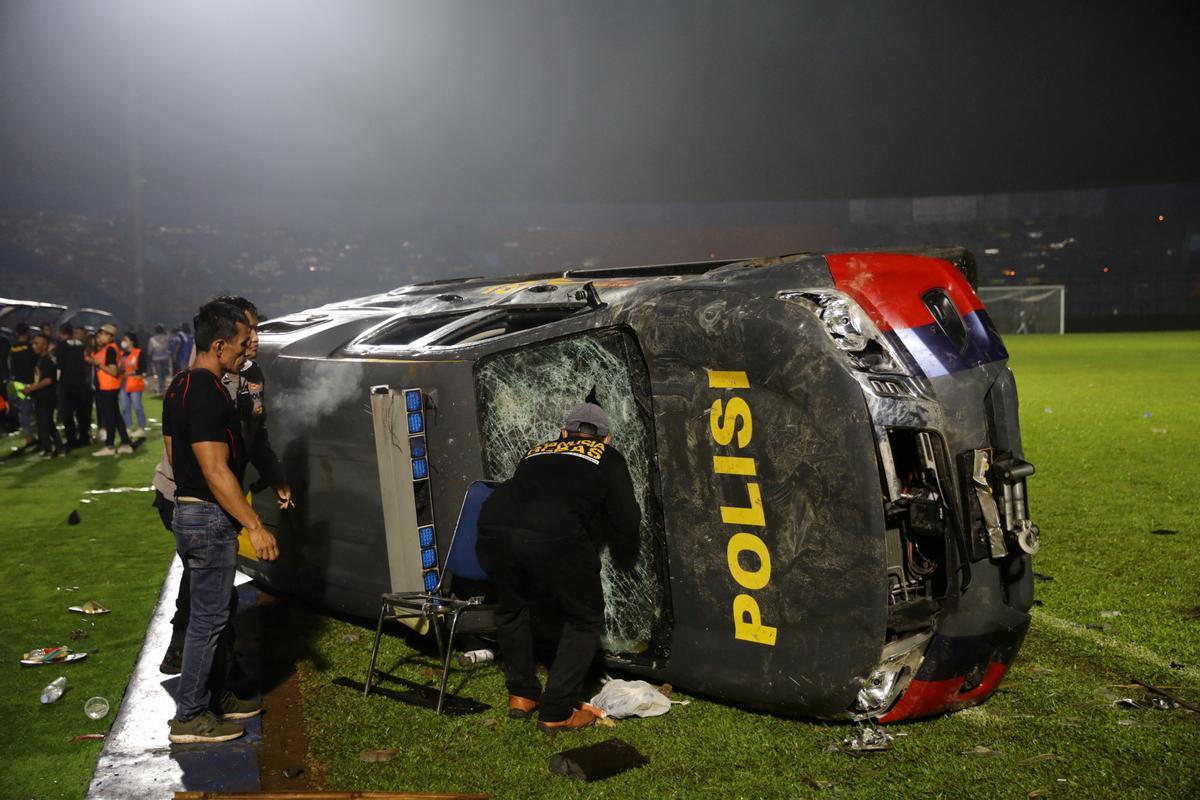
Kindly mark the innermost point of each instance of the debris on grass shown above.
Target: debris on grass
(598, 761)
(866, 740)
(1163, 532)
(1038, 793)
(87, 737)
(1109, 614)
(1158, 693)
(377, 756)
(1158, 430)
(1104, 626)
(1042, 576)
(96, 707)
(90, 607)
(980, 751)
(352, 637)
(78, 633)
(51, 655)
(73, 518)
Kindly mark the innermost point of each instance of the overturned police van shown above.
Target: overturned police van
(825, 446)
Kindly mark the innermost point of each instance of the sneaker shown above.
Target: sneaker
(140, 433)
(30, 441)
(60, 453)
(46, 456)
(105, 451)
(125, 449)
(234, 707)
(172, 663)
(204, 728)
(580, 718)
(521, 707)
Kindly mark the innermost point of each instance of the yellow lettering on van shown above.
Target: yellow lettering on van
(747, 622)
(734, 465)
(718, 379)
(750, 515)
(747, 542)
(724, 422)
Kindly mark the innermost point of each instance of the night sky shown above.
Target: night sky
(602, 101)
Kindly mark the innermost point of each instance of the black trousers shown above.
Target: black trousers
(524, 567)
(48, 439)
(75, 413)
(110, 418)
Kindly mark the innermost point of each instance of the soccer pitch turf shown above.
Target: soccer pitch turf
(1107, 420)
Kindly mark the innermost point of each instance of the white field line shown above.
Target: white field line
(1128, 649)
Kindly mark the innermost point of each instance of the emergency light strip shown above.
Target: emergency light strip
(414, 407)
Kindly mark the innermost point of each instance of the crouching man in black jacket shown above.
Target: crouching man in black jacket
(567, 498)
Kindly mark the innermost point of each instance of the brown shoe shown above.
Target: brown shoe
(580, 718)
(521, 707)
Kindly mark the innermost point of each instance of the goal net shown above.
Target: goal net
(1026, 309)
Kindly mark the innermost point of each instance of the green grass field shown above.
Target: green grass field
(1107, 419)
(117, 555)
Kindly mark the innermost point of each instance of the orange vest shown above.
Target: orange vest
(133, 381)
(108, 383)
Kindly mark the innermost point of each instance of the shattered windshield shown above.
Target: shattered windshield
(523, 394)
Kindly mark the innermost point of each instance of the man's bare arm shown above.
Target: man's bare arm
(170, 456)
(213, 458)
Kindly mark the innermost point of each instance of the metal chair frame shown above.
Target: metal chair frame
(433, 607)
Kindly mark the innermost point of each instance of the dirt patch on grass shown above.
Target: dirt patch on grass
(283, 760)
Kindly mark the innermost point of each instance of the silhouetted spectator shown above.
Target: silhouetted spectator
(44, 396)
(181, 348)
(22, 361)
(74, 394)
(160, 358)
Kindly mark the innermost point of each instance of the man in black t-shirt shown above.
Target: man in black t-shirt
(542, 527)
(74, 395)
(44, 394)
(204, 443)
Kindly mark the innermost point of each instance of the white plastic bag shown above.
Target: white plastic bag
(621, 699)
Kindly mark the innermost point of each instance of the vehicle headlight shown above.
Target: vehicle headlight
(850, 329)
(845, 322)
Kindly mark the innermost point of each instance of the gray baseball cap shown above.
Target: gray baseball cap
(591, 414)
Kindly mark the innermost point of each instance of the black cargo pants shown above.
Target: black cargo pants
(568, 570)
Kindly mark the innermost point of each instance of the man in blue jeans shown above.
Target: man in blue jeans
(203, 439)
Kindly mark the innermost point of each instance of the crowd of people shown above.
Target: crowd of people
(567, 497)
(88, 383)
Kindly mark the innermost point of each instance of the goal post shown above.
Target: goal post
(1026, 309)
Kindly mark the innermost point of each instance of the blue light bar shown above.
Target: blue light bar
(428, 558)
(412, 399)
(420, 469)
(426, 535)
(431, 580)
(417, 445)
(416, 422)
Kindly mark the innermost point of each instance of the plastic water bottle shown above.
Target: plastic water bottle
(54, 690)
(476, 657)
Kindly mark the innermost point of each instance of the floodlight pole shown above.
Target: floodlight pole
(134, 167)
